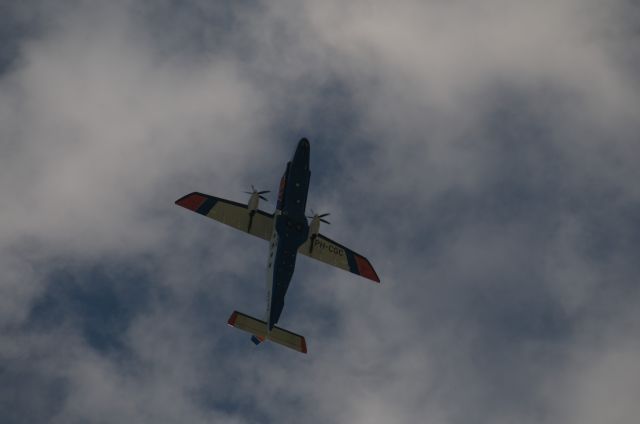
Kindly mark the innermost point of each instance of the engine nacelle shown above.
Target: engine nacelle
(254, 201)
(314, 227)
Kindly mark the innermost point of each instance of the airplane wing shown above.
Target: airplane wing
(234, 214)
(328, 251)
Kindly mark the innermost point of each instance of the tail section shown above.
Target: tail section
(258, 329)
(256, 340)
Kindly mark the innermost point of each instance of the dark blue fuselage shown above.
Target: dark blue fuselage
(291, 229)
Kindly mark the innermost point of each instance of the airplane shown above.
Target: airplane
(289, 234)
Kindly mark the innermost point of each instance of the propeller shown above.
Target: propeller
(320, 217)
(259, 193)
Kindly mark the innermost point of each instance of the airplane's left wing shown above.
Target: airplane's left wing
(328, 251)
(234, 214)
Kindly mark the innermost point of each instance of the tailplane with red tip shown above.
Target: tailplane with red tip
(258, 329)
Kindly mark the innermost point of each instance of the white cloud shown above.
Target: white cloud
(483, 156)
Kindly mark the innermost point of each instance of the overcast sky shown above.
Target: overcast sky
(483, 156)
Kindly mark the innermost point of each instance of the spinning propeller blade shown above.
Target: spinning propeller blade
(320, 217)
(259, 193)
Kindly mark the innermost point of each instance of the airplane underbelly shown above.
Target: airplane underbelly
(281, 274)
(288, 235)
(273, 248)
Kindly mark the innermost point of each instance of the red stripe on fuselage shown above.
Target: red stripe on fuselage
(283, 184)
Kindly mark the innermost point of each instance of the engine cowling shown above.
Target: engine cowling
(314, 227)
(254, 200)
(316, 219)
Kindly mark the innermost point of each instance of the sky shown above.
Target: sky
(482, 155)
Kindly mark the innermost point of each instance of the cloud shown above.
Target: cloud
(482, 156)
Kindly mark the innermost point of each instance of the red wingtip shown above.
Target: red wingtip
(365, 269)
(303, 345)
(232, 319)
(191, 201)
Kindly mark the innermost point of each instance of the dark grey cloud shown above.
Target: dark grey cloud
(482, 156)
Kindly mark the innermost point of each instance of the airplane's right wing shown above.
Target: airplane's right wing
(328, 251)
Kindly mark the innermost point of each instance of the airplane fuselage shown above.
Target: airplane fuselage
(288, 233)
(290, 230)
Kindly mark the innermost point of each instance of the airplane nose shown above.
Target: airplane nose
(301, 154)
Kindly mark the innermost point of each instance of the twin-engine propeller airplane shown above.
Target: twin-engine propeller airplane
(289, 233)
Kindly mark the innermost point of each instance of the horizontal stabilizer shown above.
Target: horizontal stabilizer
(259, 329)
